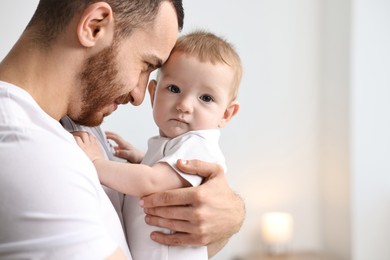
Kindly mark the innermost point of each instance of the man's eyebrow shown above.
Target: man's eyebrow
(155, 61)
(159, 63)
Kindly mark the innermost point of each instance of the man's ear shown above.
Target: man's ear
(152, 90)
(96, 24)
(230, 111)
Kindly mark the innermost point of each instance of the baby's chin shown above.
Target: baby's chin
(173, 132)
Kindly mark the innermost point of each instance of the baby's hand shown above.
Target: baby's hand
(89, 144)
(124, 149)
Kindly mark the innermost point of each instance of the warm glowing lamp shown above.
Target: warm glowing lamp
(277, 230)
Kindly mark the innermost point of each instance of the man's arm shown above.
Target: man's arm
(206, 215)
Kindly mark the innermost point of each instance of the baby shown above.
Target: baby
(193, 96)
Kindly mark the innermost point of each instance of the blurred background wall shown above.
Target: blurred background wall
(312, 137)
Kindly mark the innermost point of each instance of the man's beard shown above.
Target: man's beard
(101, 86)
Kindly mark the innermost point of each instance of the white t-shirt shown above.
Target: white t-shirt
(115, 196)
(202, 145)
(52, 204)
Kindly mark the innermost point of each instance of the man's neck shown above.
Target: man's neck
(44, 74)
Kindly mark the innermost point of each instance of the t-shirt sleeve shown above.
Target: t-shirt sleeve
(52, 205)
(56, 212)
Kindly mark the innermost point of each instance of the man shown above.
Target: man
(83, 59)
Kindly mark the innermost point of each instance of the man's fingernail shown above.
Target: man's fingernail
(141, 203)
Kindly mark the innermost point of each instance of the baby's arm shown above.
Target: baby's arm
(124, 149)
(133, 179)
(138, 179)
(89, 144)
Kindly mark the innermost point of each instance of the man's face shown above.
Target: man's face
(101, 85)
(119, 74)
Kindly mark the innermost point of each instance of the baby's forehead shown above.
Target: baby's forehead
(197, 56)
(189, 57)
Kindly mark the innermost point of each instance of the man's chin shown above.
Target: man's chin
(90, 121)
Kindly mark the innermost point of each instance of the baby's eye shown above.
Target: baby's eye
(174, 89)
(206, 98)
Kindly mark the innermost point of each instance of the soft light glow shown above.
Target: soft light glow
(276, 228)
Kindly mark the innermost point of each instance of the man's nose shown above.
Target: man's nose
(137, 95)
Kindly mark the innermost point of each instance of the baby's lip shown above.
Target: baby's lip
(181, 120)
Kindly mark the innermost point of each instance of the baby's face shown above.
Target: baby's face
(191, 95)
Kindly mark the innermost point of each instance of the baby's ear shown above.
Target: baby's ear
(230, 111)
(152, 90)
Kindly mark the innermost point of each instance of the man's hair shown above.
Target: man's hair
(208, 47)
(52, 16)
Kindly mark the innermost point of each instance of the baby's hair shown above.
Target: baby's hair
(208, 47)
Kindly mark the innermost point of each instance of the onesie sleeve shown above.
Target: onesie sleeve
(193, 145)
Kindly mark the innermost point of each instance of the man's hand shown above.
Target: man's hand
(206, 215)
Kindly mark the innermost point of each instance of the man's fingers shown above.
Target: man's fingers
(172, 224)
(176, 239)
(201, 168)
(175, 197)
(178, 213)
(169, 239)
(186, 233)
